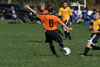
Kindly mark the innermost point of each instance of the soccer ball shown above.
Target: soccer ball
(68, 51)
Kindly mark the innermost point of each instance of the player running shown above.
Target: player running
(95, 35)
(49, 22)
(66, 15)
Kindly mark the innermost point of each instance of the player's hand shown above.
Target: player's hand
(27, 6)
(70, 23)
(70, 29)
(92, 21)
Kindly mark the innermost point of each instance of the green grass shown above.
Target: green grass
(22, 45)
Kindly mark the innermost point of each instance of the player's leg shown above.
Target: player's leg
(60, 32)
(69, 36)
(23, 19)
(49, 38)
(67, 32)
(87, 48)
(94, 47)
(91, 44)
(61, 47)
(58, 38)
(53, 49)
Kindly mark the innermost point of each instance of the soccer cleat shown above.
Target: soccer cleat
(62, 50)
(55, 55)
(68, 38)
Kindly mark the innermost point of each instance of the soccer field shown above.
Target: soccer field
(22, 45)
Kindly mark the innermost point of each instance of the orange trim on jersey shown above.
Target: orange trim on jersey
(44, 12)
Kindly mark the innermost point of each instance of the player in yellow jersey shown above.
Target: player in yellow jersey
(95, 35)
(65, 14)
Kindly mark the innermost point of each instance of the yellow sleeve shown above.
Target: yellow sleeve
(70, 12)
(60, 12)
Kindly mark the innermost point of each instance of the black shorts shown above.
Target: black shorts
(53, 35)
(94, 38)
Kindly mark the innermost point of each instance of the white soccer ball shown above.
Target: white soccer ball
(68, 51)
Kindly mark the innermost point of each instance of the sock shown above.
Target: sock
(53, 50)
(66, 34)
(61, 45)
(86, 51)
(95, 48)
(69, 35)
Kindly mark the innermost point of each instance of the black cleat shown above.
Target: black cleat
(55, 55)
(62, 50)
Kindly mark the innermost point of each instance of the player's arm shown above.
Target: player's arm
(35, 12)
(60, 13)
(61, 22)
(70, 12)
(67, 27)
(41, 17)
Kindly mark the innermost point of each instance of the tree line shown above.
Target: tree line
(56, 3)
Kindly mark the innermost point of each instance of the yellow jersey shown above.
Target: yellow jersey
(96, 26)
(65, 13)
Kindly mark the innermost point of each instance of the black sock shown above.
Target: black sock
(61, 45)
(66, 34)
(86, 51)
(69, 36)
(95, 48)
(53, 50)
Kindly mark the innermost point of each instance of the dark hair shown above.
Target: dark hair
(65, 1)
(50, 8)
(98, 12)
(94, 9)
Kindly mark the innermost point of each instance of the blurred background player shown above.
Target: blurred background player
(92, 18)
(16, 17)
(65, 14)
(49, 22)
(42, 10)
(95, 35)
